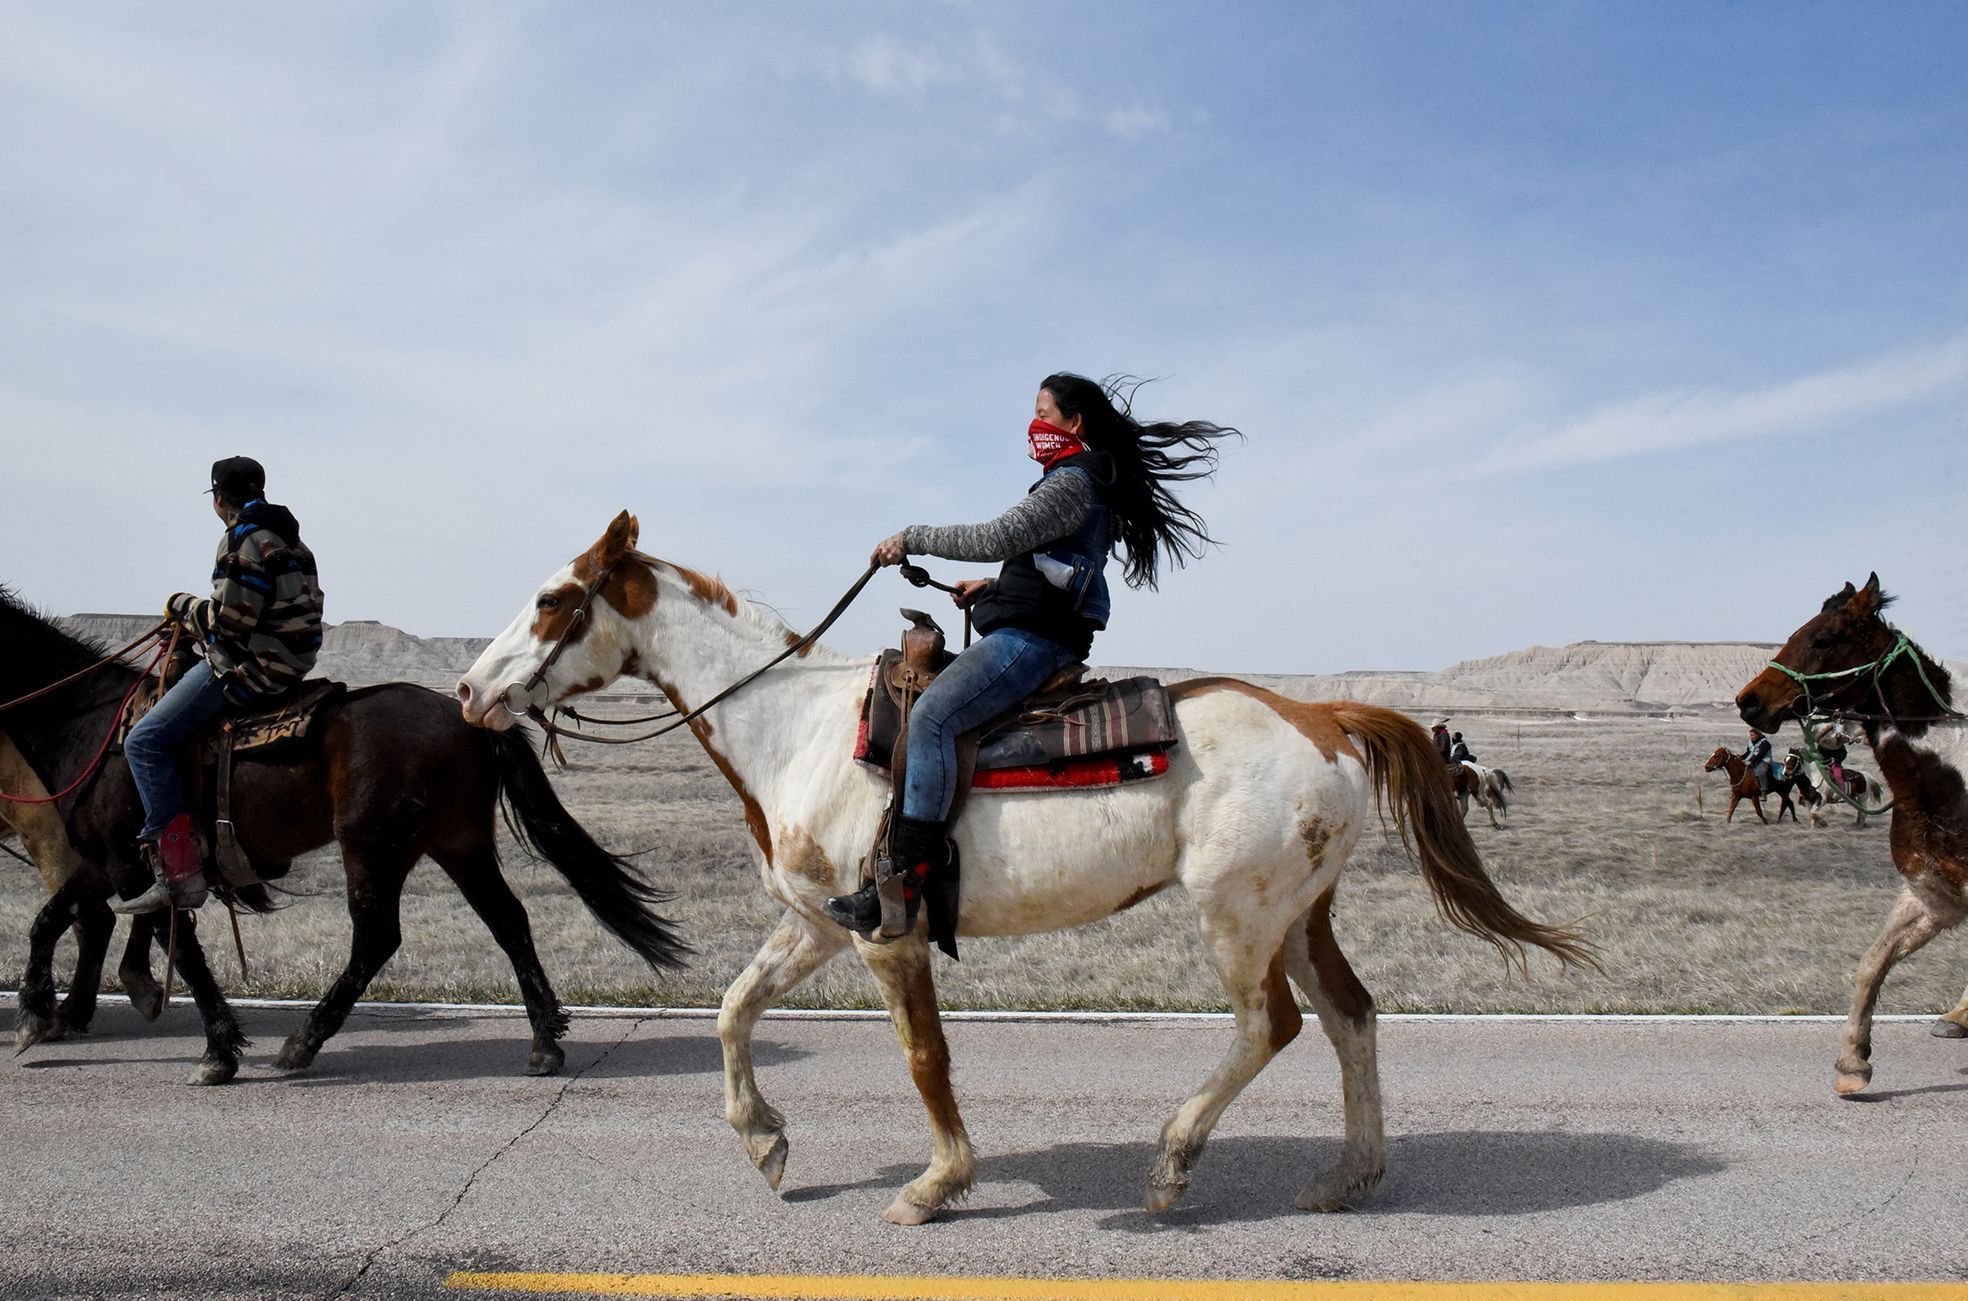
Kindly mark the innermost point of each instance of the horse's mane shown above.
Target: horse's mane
(747, 610)
(37, 649)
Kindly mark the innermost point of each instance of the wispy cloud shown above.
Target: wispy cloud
(1136, 121)
(1681, 418)
(888, 65)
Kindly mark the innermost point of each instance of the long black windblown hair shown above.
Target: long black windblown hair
(1147, 457)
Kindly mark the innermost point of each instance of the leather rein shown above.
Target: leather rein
(160, 657)
(518, 697)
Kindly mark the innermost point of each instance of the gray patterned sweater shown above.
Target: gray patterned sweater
(1049, 512)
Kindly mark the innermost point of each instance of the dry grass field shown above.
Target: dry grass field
(1692, 915)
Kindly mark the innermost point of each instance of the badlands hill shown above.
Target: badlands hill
(1585, 677)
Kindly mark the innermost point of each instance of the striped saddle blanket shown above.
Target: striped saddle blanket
(1094, 733)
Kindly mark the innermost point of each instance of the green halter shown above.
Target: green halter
(1902, 647)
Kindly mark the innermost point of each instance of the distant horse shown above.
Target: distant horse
(1744, 786)
(394, 776)
(1860, 790)
(1847, 662)
(1264, 799)
(45, 840)
(1489, 787)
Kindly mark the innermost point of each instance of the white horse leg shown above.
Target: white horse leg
(796, 949)
(1909, 926)
(1346, 1013)
(1249, 958)
(909, 989)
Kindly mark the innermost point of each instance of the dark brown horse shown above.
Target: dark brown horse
(1847, 662)
(395, 775)
(1744, 786)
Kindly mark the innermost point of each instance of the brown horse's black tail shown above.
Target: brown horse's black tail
(611, 888)
(1407, 776)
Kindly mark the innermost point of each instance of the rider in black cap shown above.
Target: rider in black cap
(259, 633)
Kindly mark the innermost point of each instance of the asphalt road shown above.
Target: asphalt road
(1518, 1150)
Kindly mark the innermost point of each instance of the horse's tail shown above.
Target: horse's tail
(1501, 788)
(618, 897)
(1405, 771)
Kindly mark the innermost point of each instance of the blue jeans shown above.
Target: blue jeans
(1000, 670)
(152, 747)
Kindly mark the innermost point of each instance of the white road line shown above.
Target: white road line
(875, 1014)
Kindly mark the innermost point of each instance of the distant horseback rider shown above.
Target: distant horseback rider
(1106, 485)
(1444, 744)
(258, 633)
(1756, 757)
(1458, 752)
(1834, 745)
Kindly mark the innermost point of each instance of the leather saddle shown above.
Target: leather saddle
(922, 657)
(276, 731)
(279, 731)
(1055, 738)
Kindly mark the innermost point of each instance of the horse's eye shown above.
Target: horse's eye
(1821, 643)
(547, 602)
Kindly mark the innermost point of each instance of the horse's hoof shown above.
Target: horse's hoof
(1162, 1196)
(545, 1061)
(1946, 1029)
(30, 1030)
(1851, 1082)
(213, 1072)
(773, 1164)
(905, 1212)
(148, 1001)
(294, 1056)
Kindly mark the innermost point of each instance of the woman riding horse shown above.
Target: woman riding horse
(1106, 483)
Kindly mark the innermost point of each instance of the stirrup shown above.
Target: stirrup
(882, 911)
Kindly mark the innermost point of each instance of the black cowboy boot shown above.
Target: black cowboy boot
(179, 864)
(886, 907)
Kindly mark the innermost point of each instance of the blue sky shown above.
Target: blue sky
(1546, 322)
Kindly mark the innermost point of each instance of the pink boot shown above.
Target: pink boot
(180, 868)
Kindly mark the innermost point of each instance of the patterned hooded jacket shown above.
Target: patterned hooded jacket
(261, 628)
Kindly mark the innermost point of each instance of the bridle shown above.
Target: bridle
(518, 696)
(1902, 648)
(518, 699)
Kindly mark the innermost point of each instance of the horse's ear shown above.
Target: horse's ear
(1870, 598)
(616, 542)
(635, 532)
(1837, 600)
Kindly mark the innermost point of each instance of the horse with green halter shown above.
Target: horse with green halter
(1812, 720)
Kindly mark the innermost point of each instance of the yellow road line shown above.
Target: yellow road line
(826, 1287)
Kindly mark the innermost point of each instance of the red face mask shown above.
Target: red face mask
(1051, 444)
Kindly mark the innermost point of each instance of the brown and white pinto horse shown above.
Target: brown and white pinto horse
(1870, 672)
(1744, 786)
(1264, 799)
(1859, 790)
(1489, 787)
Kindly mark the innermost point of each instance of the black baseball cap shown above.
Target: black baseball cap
(238, 478)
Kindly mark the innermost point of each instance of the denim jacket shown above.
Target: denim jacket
(1077, 563)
